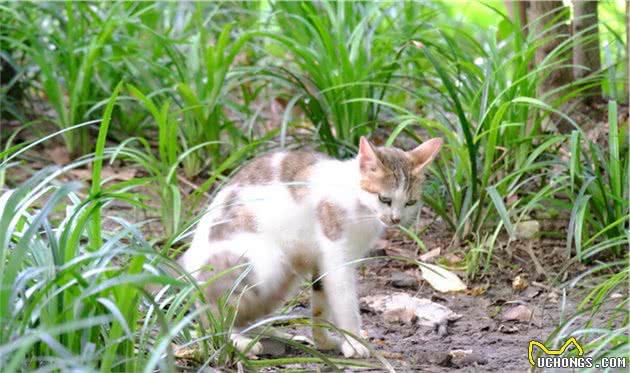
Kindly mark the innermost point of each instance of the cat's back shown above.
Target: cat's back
(265, 196)
(289, 169)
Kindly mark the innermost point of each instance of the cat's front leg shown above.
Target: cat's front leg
(340, 290)
(320, 314)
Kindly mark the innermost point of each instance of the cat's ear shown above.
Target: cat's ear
(424, 153)
(368, 158)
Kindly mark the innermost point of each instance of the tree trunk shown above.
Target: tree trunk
(627, 83)
(586, 50)
(549, 21)
(521, 8)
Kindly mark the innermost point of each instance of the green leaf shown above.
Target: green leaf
(500, 206)
(505, 29)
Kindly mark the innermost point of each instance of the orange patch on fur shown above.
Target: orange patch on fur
(395, 170)
(235, 218)
(302, 258)
(257, 172)
(295, 168)
(331, 218)
(243, 295)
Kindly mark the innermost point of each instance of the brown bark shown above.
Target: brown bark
(549, 22)
(586, 51)
(627, 83)
(521, 8)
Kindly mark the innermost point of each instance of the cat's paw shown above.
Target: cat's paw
(354, 348)
(241, 343)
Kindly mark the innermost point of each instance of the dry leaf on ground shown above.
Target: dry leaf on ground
(188, 353)
(441, 279)
(402, 307)
(393, 355)
(429, 256)
(477, 291)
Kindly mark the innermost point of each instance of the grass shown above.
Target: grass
(65, 57)
(66, 302)
(181, 92)
(337, 63)
(603, 286)
(599, 188)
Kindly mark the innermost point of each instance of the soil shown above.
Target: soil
(482, 339)
(490, 343)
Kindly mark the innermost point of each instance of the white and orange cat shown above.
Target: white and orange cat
(296, 216)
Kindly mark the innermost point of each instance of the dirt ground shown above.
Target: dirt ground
(486, 341)
(484, 338)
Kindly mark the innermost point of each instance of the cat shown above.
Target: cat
(292, 216)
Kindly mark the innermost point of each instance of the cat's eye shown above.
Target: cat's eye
(385, 200)
(411, 202)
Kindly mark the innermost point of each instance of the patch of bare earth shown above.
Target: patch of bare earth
(492, 334)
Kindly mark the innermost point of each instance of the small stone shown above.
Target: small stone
(272, 347)
(192, 353)
(364, 334)
(402, 315)
(467, 357)
(403, 280)
(518, 313)
(459, 354)
(434, 357)
(553, 297)
(417, 44)
(519, 283)
(377, 252)
(526, 229)
(376, 334)
(441, 279)
(508, 329)
(532, 292)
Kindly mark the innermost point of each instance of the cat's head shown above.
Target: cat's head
(391, 178)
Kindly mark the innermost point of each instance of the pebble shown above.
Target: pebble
(403, 280)
(434, 357)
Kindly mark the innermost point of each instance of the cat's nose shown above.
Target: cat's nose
(395, 219)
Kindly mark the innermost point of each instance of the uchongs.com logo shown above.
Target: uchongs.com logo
(554, 359)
